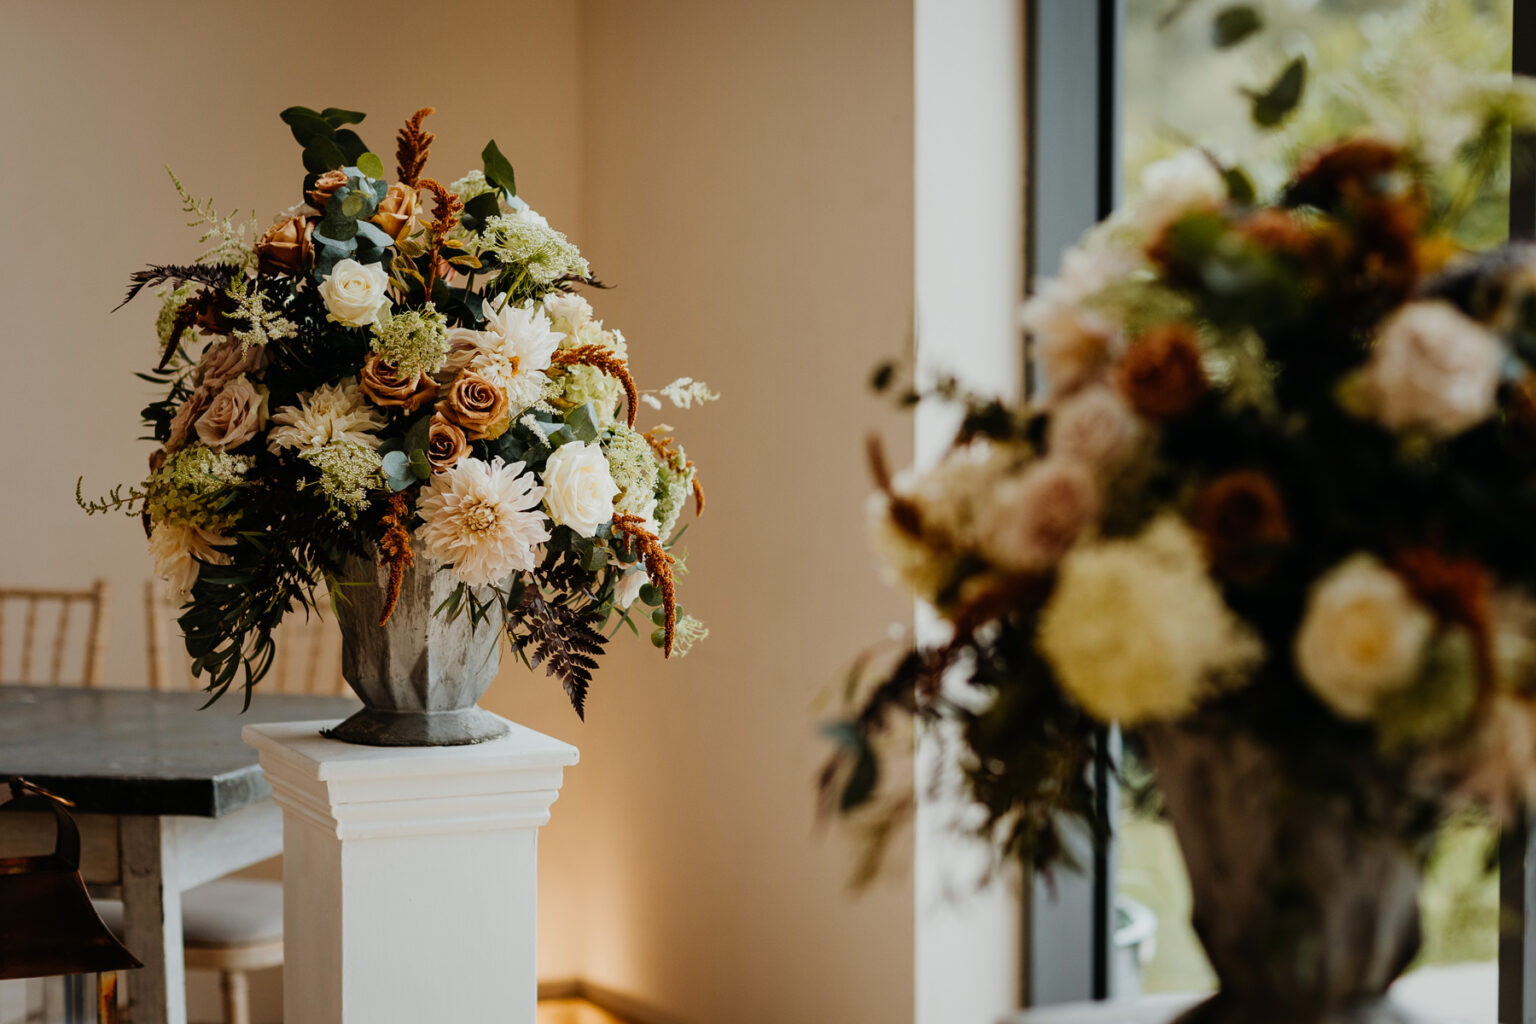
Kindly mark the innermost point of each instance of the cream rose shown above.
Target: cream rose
(1434, 368)
(236, 414)
(223, 361)
(1363, 637)
(355, 293)
(578, 488)
(628, 588)
(1095, 427)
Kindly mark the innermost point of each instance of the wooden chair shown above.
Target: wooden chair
(235, 925)
(48, 620)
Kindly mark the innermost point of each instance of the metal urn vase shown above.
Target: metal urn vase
(419, 674)
(1307, 916)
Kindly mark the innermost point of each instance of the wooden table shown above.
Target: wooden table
(167, 797)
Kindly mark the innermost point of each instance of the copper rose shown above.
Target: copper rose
(397, 211)
(286, 247)
(324, 187)
(446, 443)
(1243, 521)
(1160, 374)
(387, 386)
(477, 405)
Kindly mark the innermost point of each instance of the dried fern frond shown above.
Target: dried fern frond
(411, 153)
(658, 567)
(604, 360)
(395, 551)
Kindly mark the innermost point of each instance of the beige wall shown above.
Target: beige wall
(742, 173)
(749, 194)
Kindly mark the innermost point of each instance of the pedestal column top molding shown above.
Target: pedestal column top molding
(360, 792)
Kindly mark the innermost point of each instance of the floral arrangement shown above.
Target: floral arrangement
(1277, 480)
(399, 370)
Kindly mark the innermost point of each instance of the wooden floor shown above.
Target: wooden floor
(573, 1011)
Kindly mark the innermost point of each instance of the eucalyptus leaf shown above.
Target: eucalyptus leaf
(1234, 24)
(371, 165)
(1239, 185)
(498, 169)
(582, 422)
(375, 235)
(396, 467)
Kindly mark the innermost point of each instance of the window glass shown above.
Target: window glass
(1389, 65)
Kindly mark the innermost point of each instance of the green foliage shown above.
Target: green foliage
(1281, 97)
(498, 169)
(1232, 25)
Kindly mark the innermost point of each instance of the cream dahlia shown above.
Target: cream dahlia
(178, 547)
(512, 352)
(482, 519)
(331, 412)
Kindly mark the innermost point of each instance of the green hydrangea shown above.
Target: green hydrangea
(197, 486)
(582, 384)
(348, 471)
(674, 487)
(171, 302)
(544, 253)
(414, 341)
(633, 468)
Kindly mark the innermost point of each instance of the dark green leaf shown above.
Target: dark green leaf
(861, 781)
(480, 209)
(306, 125)
(1234, 24)
(339, 117)
(371, 165)
(498, 169)
(420, 465)
(352, 147)
(882, 377)
(1239, 185)
(1275, 103)
(321, 154)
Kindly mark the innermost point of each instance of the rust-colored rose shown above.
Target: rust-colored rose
(1160, 374)
(1242, 518)
(387, 386)
(286, 247)
(1343, 170)
(397, 211)
(324, 187)
(477, 405)
(446, 443)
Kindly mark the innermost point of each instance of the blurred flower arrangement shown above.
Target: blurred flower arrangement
(1277, 484)
(399, 370)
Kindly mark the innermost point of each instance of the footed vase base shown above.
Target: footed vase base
(1221, 1009)
(377, 727)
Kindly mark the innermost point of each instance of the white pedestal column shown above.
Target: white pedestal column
(409, 875)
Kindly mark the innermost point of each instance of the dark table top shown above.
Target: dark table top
(143, 751)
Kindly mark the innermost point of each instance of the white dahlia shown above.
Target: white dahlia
(331, 412)
(177, 548)
(512, 352)
(482, 519)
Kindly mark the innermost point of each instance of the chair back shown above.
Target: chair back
(52, 636)
(307, 661)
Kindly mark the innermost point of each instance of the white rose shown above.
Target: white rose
(1432, 367)
(355, 294)
(578, 488)
(1363, 636)
(568, 309)
(628, 588)
(1176, 185)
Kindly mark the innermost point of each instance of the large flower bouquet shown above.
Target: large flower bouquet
(1278, 484)
(402, 370)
